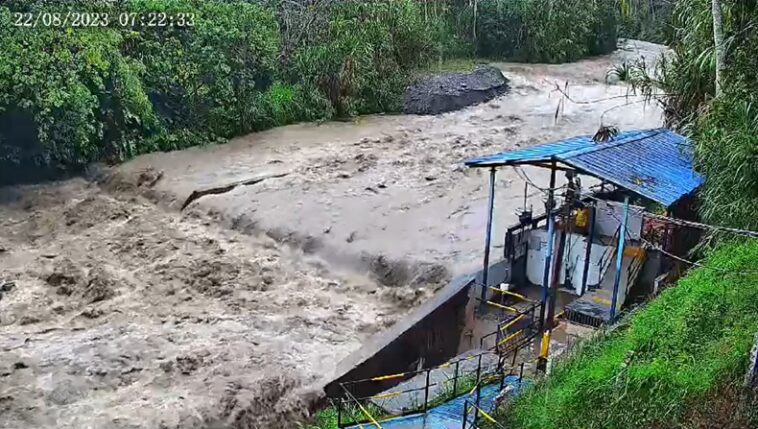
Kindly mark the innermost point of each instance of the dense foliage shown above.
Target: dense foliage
(724, 129)
(69, 96)
(545, 30)
(648, 20)
(679, 354)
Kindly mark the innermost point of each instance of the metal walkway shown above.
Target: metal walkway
(450, 414)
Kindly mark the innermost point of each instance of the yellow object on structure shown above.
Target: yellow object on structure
(510, 337)
(545, 350)
(388, 377)
(634, 251)
(582, 218)
(504, 307)
(511, 323)
(488, 417)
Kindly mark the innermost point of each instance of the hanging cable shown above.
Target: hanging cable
(691, 224)
(523, 176)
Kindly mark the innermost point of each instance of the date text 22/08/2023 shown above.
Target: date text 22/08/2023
(102, 19)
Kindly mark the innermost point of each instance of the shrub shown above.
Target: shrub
(648, 20)
(723, 129)
(546, 30)
(362, 62)
(727, 155)
(70, 96)
(62, 93)
(207, 78)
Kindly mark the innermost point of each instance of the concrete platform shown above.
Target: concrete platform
(450, 414)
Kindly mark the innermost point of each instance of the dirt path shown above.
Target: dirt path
(193, 312)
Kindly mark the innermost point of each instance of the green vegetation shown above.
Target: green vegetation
(69, 96)
(678, 354)
(325, 419)
(725, 128)
(680, 361)
(546, 31)
(648, 20)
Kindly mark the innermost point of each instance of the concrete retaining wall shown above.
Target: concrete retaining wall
(429, 336)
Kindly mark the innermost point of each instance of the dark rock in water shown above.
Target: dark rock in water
(453, 91)
(7, 286)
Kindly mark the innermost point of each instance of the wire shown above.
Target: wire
(523, 176)
(679, 258)
(696, 264)
(681, 222)
(688, 223)
(691, 224)
(747, 233)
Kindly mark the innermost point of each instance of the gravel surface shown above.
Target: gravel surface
(453, 91)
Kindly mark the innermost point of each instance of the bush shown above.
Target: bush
(62, 93)
(675, 356)
(70, 96)
(648, 20)
(362, 62)
(207, 79)
(727, 153)
(545, 30)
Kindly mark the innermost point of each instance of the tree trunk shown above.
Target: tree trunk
(718, 40)
(476, 13)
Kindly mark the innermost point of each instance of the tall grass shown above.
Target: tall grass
(675, 356)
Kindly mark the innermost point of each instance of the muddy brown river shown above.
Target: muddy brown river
(213, 287)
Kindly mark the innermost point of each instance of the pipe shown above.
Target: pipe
(556, 276)
(619, 258)
(548, 267)
(588, 251)
(550, 239)
(488, 240)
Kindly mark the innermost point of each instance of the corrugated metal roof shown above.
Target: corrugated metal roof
(656, 164)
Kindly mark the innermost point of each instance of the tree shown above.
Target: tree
(718, 40)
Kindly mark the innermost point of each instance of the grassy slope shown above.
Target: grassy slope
(680, 351)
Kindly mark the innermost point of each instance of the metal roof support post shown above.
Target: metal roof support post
(619, 258)
(555, 280)
(545, 324)
(550, 238)
(588, 251)
(488, 240)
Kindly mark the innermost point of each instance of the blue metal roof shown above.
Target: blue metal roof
(656, 164)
